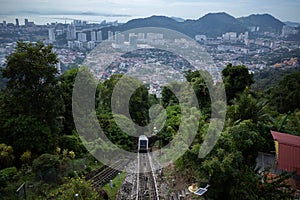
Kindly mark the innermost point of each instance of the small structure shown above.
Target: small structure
(202, 191)
(193, 188)
(198, 191)
(287, 151)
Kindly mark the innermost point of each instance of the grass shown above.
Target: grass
(112, 192)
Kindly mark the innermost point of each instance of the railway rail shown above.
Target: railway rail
(104, 174)
(146, 184)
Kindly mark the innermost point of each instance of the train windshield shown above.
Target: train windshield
(143, 143)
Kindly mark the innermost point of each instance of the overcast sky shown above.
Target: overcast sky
(285, 10)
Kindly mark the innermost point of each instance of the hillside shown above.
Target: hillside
(216, 24)
(266, 22)
(212, 24)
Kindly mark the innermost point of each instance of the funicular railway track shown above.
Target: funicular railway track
(104, 174)
(146, 183)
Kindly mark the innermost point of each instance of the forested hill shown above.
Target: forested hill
(212, 24)
(266, 22)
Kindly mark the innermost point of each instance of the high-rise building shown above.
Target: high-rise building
(51, 35)
(26, 22)
(17, 22)
(70, 44)
(93, 36)
(78, 44)
(71, 32)
(82, 37)
(99, 36)
(232, 36)
(120, 38)
(77, 22)
(133, 40)
(91, 45)
(110, 36)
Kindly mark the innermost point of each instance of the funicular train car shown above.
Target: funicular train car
(143, 144)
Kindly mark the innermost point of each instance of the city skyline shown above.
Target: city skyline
(190, 9)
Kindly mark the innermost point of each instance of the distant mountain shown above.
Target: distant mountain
(266, 22)
(216, 24)
(211, 25)
(292, 24)
(153, 21)
(178, 19)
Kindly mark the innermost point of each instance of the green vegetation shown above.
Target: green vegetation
(73, 186)
(39, 144)
(31, 103)
(117, 183)
(236, 79)
(230, 166)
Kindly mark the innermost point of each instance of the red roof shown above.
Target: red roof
(288, 139)
(288, 151)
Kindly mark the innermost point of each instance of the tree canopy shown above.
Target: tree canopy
(31, 105)
(236, 79)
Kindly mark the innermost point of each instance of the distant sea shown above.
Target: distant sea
(44, 19)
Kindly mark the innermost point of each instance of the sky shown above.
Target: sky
(285, 10)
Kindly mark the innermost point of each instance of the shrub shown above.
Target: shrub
(6, 155)
(72, 142)
(46, 167)
(26, 157)
(74, 186)
(6, 175)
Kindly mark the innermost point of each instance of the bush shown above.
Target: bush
(73, 143)
(6, 175)
(74, 186)
(46, 167)
(26, 157)
(6, 155)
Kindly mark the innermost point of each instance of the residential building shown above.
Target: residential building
(82, 37)
(51, 33)
(99, 36)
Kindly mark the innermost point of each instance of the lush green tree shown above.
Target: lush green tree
(46, 167)
(31, 105)
(74, 186)
(201, 88)
(247, 139)
(293, 123)
(72, 142)
(67, 80)
(2, 81)
(286, 95)
(278, 122)
(171, 124)
(6, 175)
(169, 94)
(230, 166)
(26, 157)
(245, 107)
(254, 185)
(138, 102)
(115, 134)
(6, 156)
(236, 80)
